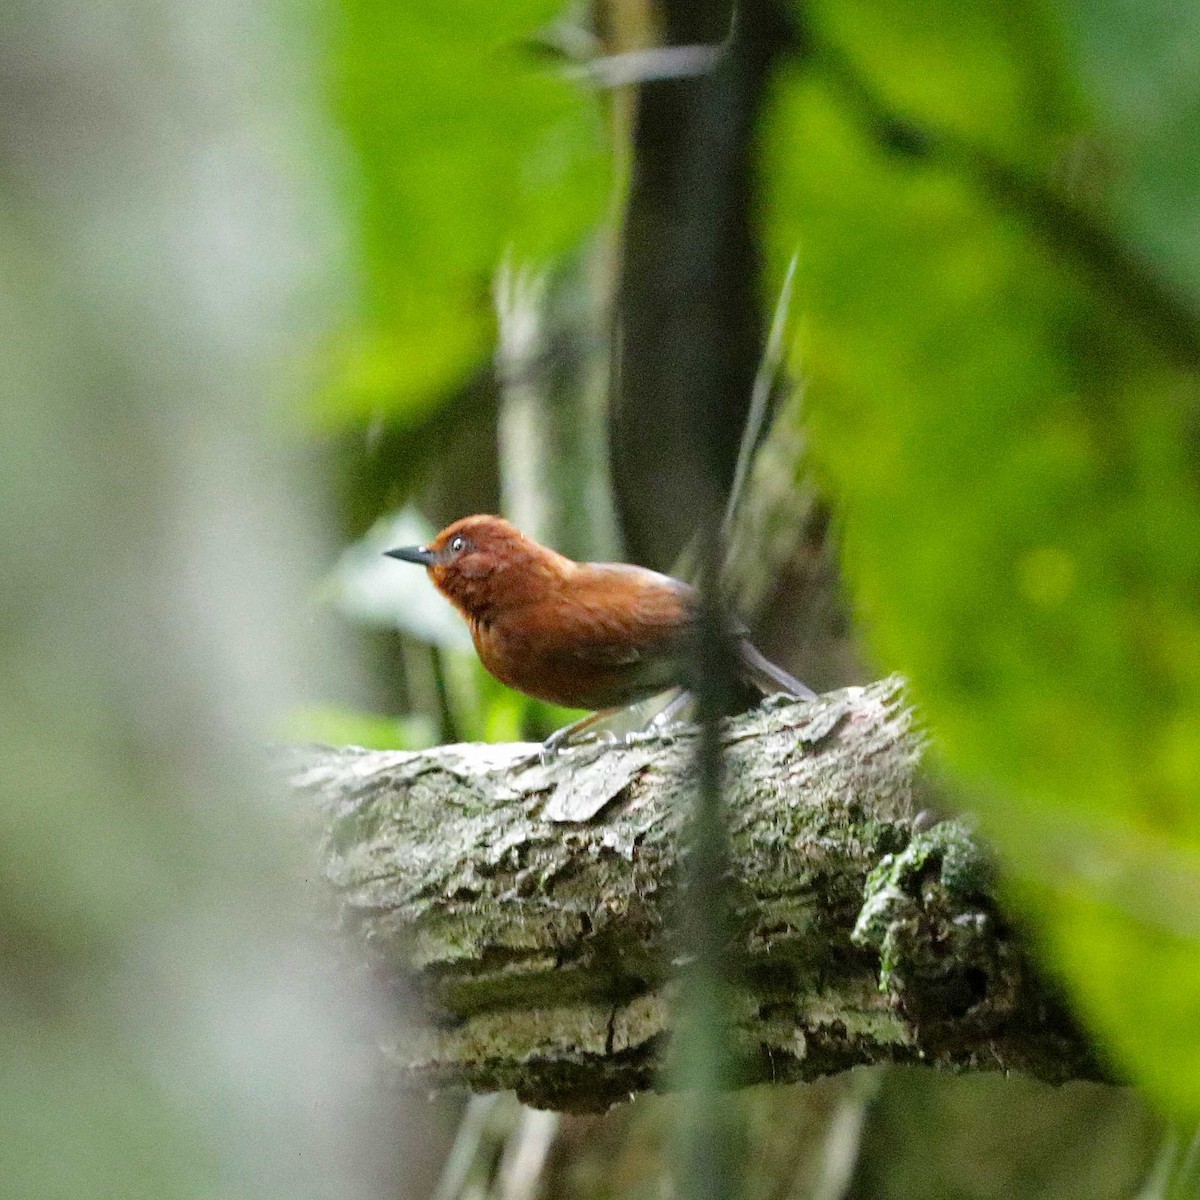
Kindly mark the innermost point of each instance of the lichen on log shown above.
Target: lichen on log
(525, 910)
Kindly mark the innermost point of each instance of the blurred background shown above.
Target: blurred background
(282, 286)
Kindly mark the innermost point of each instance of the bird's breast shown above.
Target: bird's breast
(517, 656)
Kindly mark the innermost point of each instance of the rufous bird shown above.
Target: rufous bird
(583, 635)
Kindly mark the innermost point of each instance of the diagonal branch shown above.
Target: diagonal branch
(526, 911)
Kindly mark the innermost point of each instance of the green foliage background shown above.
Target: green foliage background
(466, 148)
(1011, 427)
(995, 212)
(996, 215)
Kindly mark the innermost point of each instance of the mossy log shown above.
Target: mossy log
(523, 912)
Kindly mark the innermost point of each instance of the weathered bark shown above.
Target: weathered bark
(528, 908)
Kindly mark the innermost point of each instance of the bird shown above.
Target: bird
(596, 636)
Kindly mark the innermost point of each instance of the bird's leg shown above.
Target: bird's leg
(563, 737)
(670, 713)
(568, 733)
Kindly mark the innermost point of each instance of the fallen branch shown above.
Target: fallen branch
(526, 910)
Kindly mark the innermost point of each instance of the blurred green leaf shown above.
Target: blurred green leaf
(465, 142)
(344, 727)
(1014, 446)
(1139, 65)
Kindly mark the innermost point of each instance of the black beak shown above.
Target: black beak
(412, 554)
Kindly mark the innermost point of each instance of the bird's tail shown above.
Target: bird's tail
(762, 673)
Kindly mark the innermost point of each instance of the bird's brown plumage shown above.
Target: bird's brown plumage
(584, 635)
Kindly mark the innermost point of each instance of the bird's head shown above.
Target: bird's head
(480, 562)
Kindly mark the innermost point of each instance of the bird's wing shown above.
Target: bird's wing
(609, 654)
(624, 620)
(659, 610)
(631, 613)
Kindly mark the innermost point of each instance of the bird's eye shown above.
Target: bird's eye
(458, 544)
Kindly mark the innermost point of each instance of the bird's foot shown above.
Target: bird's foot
(553, 744)
(673, 713)
(575, 734)
(781, 700)
(649, 736)
(544, 756)
(580, 733)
